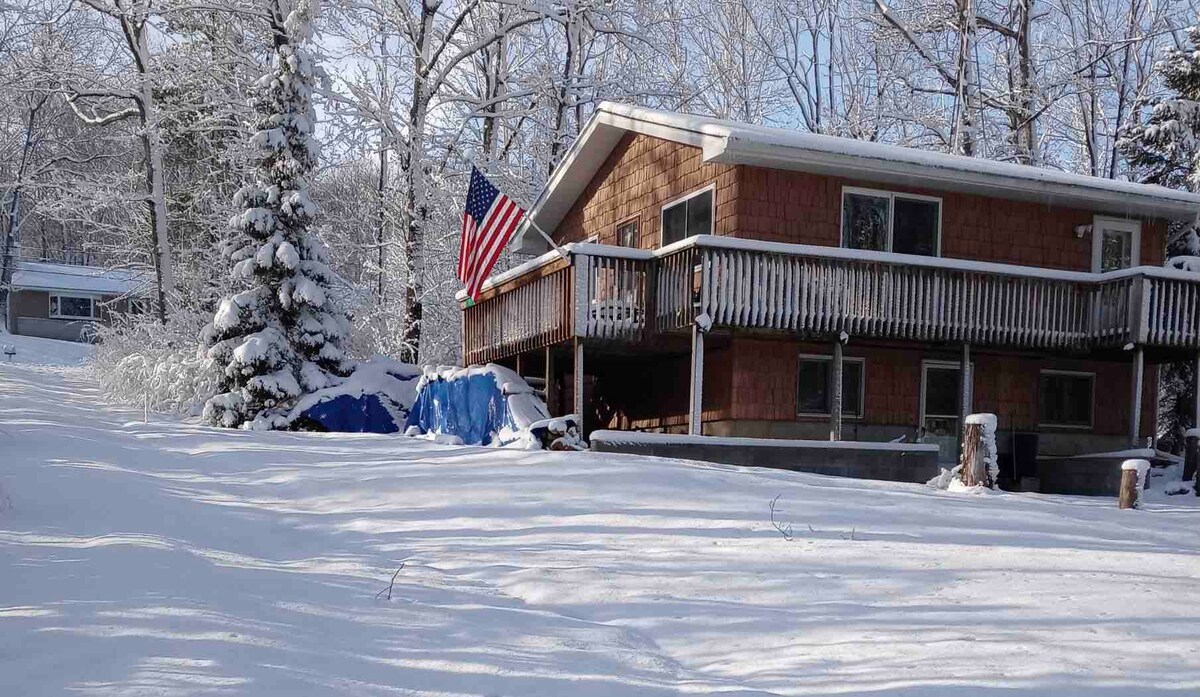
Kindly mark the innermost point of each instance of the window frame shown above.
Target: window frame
(50, 312)
(943, 365)
(891, 196)
(862, 386)
(662, 211)
(637, 237)
(1132, 226)
(1042, 423)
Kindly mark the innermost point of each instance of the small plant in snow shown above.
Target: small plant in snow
(281, 336)
(784, 529)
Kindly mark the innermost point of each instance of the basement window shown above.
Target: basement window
(687, 217)
(1066, 398)
(884, 221)
(72, 307)
(816, 386)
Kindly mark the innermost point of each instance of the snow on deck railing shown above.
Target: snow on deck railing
(619, 293)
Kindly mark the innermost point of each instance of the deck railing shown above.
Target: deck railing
(619, 294)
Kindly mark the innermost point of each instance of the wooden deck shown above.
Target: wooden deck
(624, 295)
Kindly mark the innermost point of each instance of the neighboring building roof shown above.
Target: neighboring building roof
(729, 142)
(41, 275)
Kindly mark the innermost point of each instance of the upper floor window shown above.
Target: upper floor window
(890, 222)
(688, 216)
(627, 234)
(72, 307)
(1115, 243)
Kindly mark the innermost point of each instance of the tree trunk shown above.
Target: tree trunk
(974, 470)
(14, 212)
(967, 92)
(160, 243)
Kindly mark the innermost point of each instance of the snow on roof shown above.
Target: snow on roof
(41, 275)
(729, 142)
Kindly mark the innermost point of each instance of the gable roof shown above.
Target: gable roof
(729, 142)
(93, 280)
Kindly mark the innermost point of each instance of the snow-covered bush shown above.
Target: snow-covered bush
(1184, 263)
(145, 363)
(281, 336)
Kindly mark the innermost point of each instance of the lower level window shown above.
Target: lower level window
(816, 386)
(72, 307)
(1066, 398)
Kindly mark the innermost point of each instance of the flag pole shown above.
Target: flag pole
(529, 219)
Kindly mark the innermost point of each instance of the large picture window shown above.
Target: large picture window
(1066, 398)
(816, 386)
(72, 307)
(687, 217)
(884, 221)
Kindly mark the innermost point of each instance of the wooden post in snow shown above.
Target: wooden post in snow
(1191, 455)
(1133, 478)
(1135, 406)
(978, 463)
(696, 389)
(835, 386)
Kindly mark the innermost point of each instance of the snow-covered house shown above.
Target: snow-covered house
(59, 301)
(718, 277)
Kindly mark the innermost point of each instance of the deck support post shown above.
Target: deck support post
(965, 395)
(578, 383)
(1135, 402)
(1195, 391)
(550, 389)
(696, 390)
(520, 366)
(835, 387)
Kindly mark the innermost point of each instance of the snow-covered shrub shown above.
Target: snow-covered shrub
(145, 363)
(1184, 263)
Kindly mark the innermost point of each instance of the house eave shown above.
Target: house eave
(742, 144)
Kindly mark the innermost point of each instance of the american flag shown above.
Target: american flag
(488, 222)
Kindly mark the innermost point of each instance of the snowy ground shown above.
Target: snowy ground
(171, 559)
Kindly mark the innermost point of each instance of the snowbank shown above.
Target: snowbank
(37, 351)
(175, 559)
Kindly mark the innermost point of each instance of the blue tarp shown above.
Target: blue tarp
(472, 407)
(349, 414)
(375, 398)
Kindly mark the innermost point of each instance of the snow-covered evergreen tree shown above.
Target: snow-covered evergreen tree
(281, 336)
(1165, 150)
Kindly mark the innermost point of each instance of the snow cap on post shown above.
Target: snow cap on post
(1133, 480)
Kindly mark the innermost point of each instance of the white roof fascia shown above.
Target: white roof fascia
(728, 142)
(984, 177)
(587, 154)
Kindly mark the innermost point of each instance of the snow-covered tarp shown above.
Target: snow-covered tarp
(375, 398)
(478, 405)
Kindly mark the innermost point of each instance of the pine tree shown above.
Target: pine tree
(1165, 150)
(281, 336)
